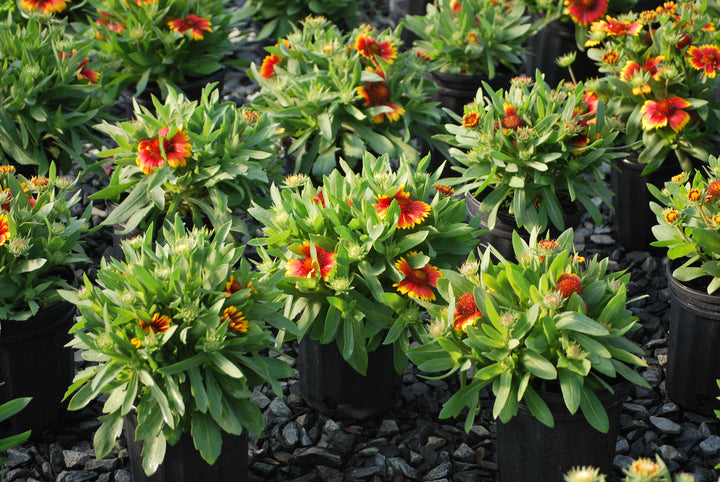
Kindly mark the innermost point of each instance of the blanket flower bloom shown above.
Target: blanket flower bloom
(46, 6)
(158, 324)
(377, 94)
(411, 212)
(466, 312)
(236, 320)
(705, 58)
(196, 25)
(307, 267)
(176, 150)
(370, 48)
(4, 229)
(585, 12)
(665, 112)
(419, 281)
(612, 26)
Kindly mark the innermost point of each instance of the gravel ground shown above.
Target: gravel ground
(409, 442)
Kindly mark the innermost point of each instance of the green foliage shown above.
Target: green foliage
(180, 333)
(654, 65)
(519, 331)
(474, 38)
(640, 470)
(317, 92)
(534, 150)
(350, 227)
(39, 241)
(688, 224)
(136, 36)
(233, 159)
(46, 110)
(7, 410)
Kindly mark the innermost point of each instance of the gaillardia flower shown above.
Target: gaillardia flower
(378, 93)
(196, 25)
(585, 12)
(369, 48)
(267, 69)
(4, 229)
(175, 150)
(418, 281)
(466, 312)
(665, 112)
(158, 324)
(644, 468)
(612, 27)
(236, 320)
(705, 58)
(307, 267)
(411, 212)
(46, 6)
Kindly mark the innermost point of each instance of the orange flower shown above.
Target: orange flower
(411, 212)
(569, 283)
(232, 286)
(443, 189)
(369, 48)
(307, 267)
(610, 57)
(657, 114)
(7, 170)
(176, 150)
(423, 55)
(4, 229)
(645, 467)
(158, 324)
(713, 191)
(705, 58)
(110, 22)
(671, 215)
(267, 69)
(694, 195)
(419, 281)
(136, 343)
(319, 198)
(472, 38)
(466, 312)
(455, 5)
(613, 27)
(196, 25)
(378, 93)
(511, 121)
(471, 119)
(547, 245)
(236, 320)
(46, 6)
(585, 12)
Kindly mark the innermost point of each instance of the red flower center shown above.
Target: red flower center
(379, 92)
(466, 305)
(419, 275)
(665, 107)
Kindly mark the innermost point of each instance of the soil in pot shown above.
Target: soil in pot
(693, 364)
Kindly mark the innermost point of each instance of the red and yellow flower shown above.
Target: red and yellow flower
(471, 119)
(377, 94)
(175, 150)
(411, 212)
(466, 312)
(196, 25)
(418, 282)
(4, 229)
(158, 324)
(267, 69)
(585, 12)
(671, 215)
(236, 320)
(46, 6)
(705, 58)
(614, 27)
(444, 189)
(369, 48)
(713, 191)
(308, 267)
(665, 112)
(511, 121)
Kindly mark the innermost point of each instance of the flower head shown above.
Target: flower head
(644, 468)
(680, 178)
(136, 343)
(444, 189)
(466, 312)
(196, 25)
(671, 215)
(158, 324)
(569, 283)
(267, 69)
(369, 48)
(713, 191)
(705, 58)
(377, 94)
(411, 212)
(307, 267)
(511, 121)
(694, 195)
(613, 27)
(5, 170)
(471, 119)
(661, 113)
(236, 320)
(4, 229)
(46, 6)
(585, 12)
(175, 150)
(418, 281)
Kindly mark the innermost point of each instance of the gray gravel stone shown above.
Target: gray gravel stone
(710, 446)
(622, 446)
(123, 475)
(75, 460)
(278, 408)
(464, 453)
(668, 452)
(16, 457)
(290, 435)
(440, 472)
(398, 466)
(622, 461)
(314, 456)
(666, 425)
(102, 465)
(388, 428)
(76, 476)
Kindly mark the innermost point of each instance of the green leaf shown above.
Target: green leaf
(571, 385)
(153, 453)
(538, 407)
(573, 320)
(594, 411)
(538, 365)
(467, 396)
(226, 366)
(504, 386)
(206, 436)
(106, 434)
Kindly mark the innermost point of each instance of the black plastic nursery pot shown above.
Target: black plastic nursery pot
(456, 91)
(34, 362)
(693, 364)
(183, 462)
(529, 451)
(332, 387)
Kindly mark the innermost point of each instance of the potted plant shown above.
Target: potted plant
(469, 41)
(213, 160)
(353, 252)
(688, 217)
(335, 92)
(640, 470)
(180, 336)
(40, 242)
(547, 336)
(158, 44)
(660, 82)
(529, 154)
(51, 95)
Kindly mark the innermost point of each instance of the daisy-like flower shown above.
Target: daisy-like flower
(455, 5)
(705, 58)
(679, 178)
(232, 286)
(418, 282)
(369, 48)
(665, 112)
(236, 320)
(39, 182)
(511, 121)
(423, 55)
(614, 27)
(307, 267)
(713, 191)
(671, 215)
(444, 189)
(158, 324)
(87, 73)
(547, 245)
(5, 170)
(466, 312)
(472, 38)
(176, 150)
(136, 343)
(110, 22)
(411, 212)
(46, 6)
(610, 57)
(471, 119)
(267, 69)
(694, 195)
(376, 94)
(644, 468)
(585, 12)
(196, 25)
(4, 229)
